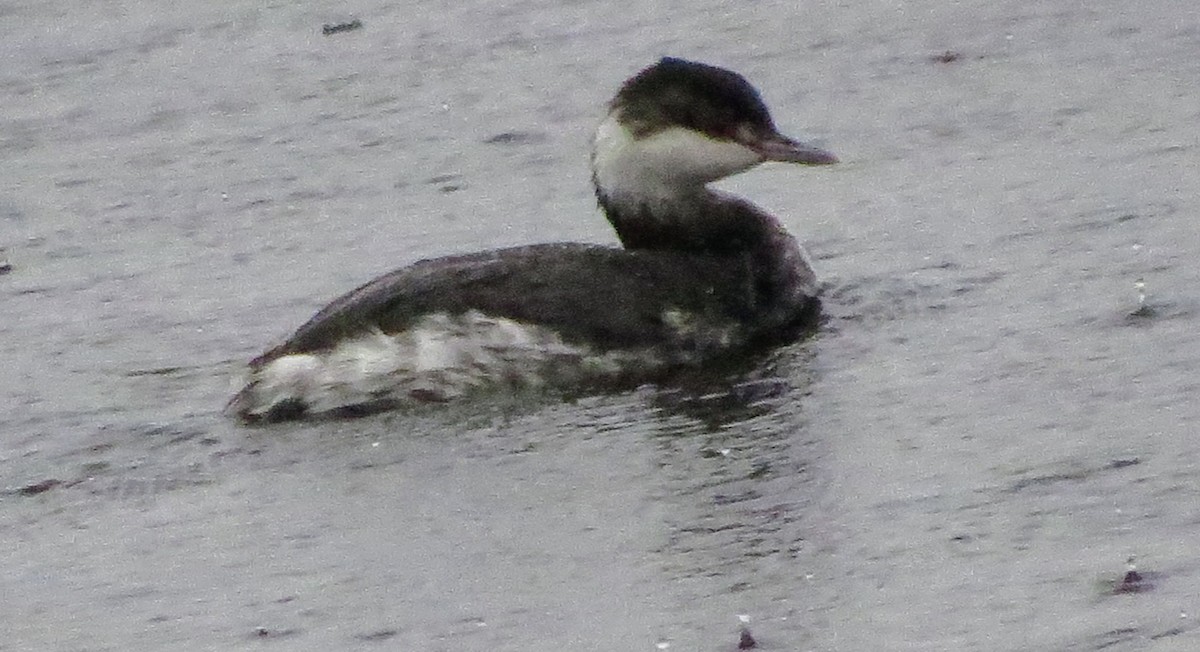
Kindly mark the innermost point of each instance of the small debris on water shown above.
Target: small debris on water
(336, 28)
(747, 642)
(1143, 309)
(1143, 312)
(263, 632)
(515, 138)
(39, 487)
(949, 56)
(1133, 581)
(1132, 577)
(746, 639)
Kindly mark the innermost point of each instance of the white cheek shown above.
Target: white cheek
(665, 163)
(691, 156)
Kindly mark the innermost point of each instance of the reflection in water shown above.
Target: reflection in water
(744, 389)
(736, 458)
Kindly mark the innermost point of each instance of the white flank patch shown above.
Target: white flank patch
(695, 330)
(442, 357)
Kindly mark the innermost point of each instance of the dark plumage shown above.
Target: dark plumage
(607, 297)
(700, 274)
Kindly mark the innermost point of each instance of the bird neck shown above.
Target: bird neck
(778, 273)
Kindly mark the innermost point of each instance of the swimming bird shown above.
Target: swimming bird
(699, 275)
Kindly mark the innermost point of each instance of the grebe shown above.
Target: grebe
(700, 274)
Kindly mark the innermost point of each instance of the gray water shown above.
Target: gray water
(989, 424)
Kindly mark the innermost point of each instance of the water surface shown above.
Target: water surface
(989, 424)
